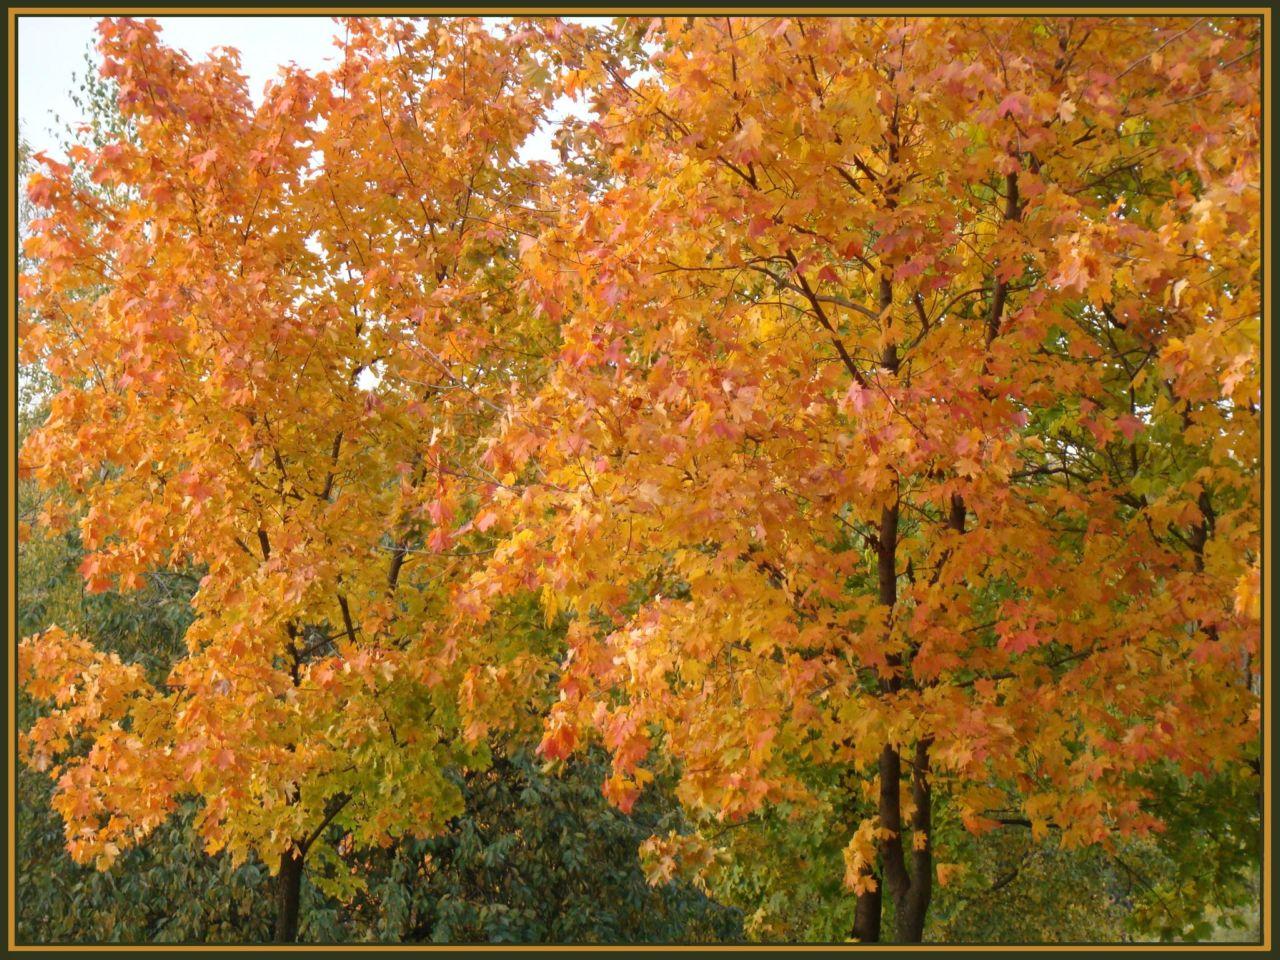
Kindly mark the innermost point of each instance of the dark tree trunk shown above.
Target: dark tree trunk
(910, 899)
(914, 906)
(866, 918)
(893, 864)
(288, 889)
(911, 891)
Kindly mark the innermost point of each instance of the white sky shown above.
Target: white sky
(51, 54)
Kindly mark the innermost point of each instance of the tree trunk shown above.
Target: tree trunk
(914, 906)
(893, 873)
(288, 889)
(911, 892)
(866, 918)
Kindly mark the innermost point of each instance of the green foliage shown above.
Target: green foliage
(1199, 880)
(1016, 890)
(537, 858)
(166, 891)
(98, 120)
(1195, 881)
(786, 867)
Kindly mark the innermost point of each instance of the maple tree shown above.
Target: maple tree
(275, 332)
(871, 404)
(905, 423)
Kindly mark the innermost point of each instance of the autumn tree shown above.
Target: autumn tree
(905, 424)
(275, 334)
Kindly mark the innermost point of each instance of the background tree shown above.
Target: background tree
(539, 857)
